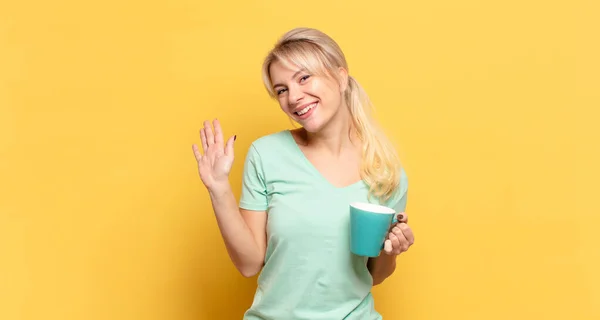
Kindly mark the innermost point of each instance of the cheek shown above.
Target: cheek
(332, 96)
(322, 90)
(282, 103)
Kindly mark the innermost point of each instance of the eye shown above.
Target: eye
(304, 78)
(280, 91)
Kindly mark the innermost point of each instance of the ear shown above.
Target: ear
(343, 76)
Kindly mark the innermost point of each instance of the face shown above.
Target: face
(311, 100)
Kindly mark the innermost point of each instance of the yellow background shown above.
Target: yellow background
(492, 104)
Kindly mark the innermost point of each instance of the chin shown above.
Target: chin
(312, 126)
(311, 129)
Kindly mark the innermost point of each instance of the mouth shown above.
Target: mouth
(306, 110)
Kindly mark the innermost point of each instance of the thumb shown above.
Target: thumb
(229, 146)
(387, 246)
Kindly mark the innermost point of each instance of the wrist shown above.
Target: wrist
(218, 190)
(381, 267)
(387, 258)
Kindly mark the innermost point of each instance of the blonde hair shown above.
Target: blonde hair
(319, 54)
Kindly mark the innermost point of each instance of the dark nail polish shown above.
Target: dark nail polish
(400, 217)
(234, 137)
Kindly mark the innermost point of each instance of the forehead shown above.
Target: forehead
(282, 70)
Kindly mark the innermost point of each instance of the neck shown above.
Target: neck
(336, 137)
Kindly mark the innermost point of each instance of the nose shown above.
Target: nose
(295, 95)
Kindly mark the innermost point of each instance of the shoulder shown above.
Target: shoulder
(402, 179)
(398, 198)
(403, 185)
(267, 141)
(270, 145)
(267, 154)
(270, 149)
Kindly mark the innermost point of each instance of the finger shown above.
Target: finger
(407, 232)
(229, 146)
(218, 132)
(387, 246)
(203, 138)
(402, 242)
(396, 247)
(197, 153)
(210, 138)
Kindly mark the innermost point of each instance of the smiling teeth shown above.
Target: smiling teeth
(305, 110)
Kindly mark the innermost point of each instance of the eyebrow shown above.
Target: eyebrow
(294, 76)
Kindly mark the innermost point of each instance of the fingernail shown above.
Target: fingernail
(234, 137)
(400, 217)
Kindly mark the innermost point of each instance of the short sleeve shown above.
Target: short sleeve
(398, 200)
(254, 189)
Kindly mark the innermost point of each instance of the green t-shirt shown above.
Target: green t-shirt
(309, 271)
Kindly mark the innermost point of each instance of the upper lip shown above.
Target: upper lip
(304, 106)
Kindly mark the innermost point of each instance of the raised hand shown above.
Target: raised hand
(216, 162)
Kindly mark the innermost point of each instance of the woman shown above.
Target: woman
(292, 220)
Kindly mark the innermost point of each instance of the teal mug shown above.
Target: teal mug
(369, 225)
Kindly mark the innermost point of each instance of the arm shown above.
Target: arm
(243, 231)
(381, 267)
(398, 241)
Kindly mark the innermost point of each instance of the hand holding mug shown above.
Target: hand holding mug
(400, 237)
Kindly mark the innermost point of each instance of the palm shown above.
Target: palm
(216, 162)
